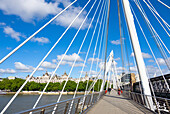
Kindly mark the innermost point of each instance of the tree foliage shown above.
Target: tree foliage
(14, 85)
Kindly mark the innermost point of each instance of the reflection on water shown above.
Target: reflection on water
(23, 102)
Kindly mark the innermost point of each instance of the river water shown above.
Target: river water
(23, 102)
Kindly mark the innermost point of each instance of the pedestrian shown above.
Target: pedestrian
(109, 89)
(118, 91)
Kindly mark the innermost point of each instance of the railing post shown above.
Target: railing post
(66, 108)
(147, 101)
(76, 111)
(156, 105)
(137, 98)
(89, 101)
(134, 95)
(167, 105)
(42, 111)
(84, 103)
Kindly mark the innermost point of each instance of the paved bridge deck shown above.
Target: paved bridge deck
(117, 104)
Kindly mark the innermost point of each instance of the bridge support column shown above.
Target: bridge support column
(105, 73)
(137, 51)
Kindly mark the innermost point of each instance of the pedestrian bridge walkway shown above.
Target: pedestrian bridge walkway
(116, 104)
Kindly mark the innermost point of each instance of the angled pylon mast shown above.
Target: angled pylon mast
(104, 77)
(137, 51)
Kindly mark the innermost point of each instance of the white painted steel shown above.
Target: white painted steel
(137, 51)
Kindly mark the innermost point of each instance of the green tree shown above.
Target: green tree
(70, 86)
(81, 86)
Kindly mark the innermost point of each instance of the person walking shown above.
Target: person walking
(109, 90)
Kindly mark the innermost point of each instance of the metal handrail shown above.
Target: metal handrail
(147, 95)
(52, 104)
(135, 96)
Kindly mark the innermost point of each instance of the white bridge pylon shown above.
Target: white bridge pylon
(111, 68)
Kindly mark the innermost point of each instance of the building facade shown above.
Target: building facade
(46, 77)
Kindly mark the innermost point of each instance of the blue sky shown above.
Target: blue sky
(20, 19)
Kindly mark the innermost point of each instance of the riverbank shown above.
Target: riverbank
(39, 92)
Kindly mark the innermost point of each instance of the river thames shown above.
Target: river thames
(23, 102)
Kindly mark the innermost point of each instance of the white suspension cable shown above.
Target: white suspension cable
(64, 53)
(84, 61)
(150, 48)
(13, 51)
(71, 69)
(76, 57)
(166, 24)
(164, 4)
(157, 18)
(16, 94)
(155, 34)
(93, 55)
(91, 62)
(100, 46)
(100, 40)
(86, 86)
(150, 25)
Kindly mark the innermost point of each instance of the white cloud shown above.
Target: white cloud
(2, 24)
(70, 63)
(16, 35)
(48, 65)
(12, 33)
(70, 57)
(133, 69)
(151, 61)
(145, 55)
(31, 10)
(41, 40)
(54, 61)
(121, 68)
(101, 65)
(116, 59)
(115, 42)
(21, 66)
(24, 68)
(161, 61)
(7, 71)
(95, 59)
(68, 16)
(89, 72)
(76, 64)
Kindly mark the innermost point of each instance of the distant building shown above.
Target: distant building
(46, 77)
(11, 77)
(127, 78)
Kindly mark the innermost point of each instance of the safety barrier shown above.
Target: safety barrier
(161, 105)
(63, 107)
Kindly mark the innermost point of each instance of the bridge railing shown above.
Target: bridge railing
(63, 107)
(161, 104)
